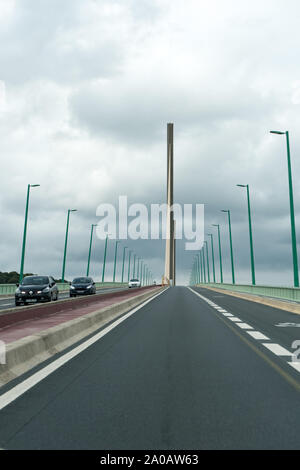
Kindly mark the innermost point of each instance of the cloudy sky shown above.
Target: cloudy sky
(86, 90)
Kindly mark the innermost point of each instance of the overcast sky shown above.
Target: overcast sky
(86, 90)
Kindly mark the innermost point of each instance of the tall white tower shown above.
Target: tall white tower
(169, 276)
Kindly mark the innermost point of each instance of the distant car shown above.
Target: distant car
(134, 283)
(82, 286)
(37, 288)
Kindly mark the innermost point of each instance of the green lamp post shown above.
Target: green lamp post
(203, 264)
(123, 264)
(231, 249)
(207, 260)
(212, 255)
(292, 211)
(250, 232)
(104, 258)
(115, 262)
(90, 249)
(66, 244)
(25, 230)
(220, 252)
(129, 261)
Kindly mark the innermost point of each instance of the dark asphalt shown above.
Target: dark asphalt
(172, 376)
(261, 317)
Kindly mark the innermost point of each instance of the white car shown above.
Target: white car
(134, 283)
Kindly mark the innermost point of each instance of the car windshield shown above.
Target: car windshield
(82, 280)
(134, 280)
(35, 281)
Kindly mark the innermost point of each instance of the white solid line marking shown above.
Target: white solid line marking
(277, 349)
(199, 295)
(235, 319)
(222, 310)
(257, 335)
(295, 365)
(245, 326)
(21, 388)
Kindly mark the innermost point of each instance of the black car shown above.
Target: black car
(82, 286)
(37, 288)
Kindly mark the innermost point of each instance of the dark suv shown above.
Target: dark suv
(82, 286)
(38, 288)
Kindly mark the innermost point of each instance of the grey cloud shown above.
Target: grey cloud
(88, 104)
(137, 112)
(45, 41)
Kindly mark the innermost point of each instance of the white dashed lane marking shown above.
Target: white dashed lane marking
(245, 326)
(295, 365)
(277, 349)
(257, 335)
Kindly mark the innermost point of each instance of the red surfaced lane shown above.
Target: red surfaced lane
(19, 324)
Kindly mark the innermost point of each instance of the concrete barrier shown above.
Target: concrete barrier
(282, 304)
(283, 293)
(26, 353)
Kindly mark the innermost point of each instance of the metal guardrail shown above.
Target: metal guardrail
(285, 293)
(9, 289)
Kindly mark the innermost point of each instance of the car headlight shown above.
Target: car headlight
(88, 287)
(72, 287)
(47, 289)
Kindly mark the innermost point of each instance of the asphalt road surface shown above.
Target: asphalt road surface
(179, 373)
(9, 302)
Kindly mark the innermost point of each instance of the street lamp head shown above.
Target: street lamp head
(223, 210)
(215, 225)
(242, 185)
(277, 132)
(72, 210)
(34, 185)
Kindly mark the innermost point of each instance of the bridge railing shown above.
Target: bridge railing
(286, 293)
(9, 289)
